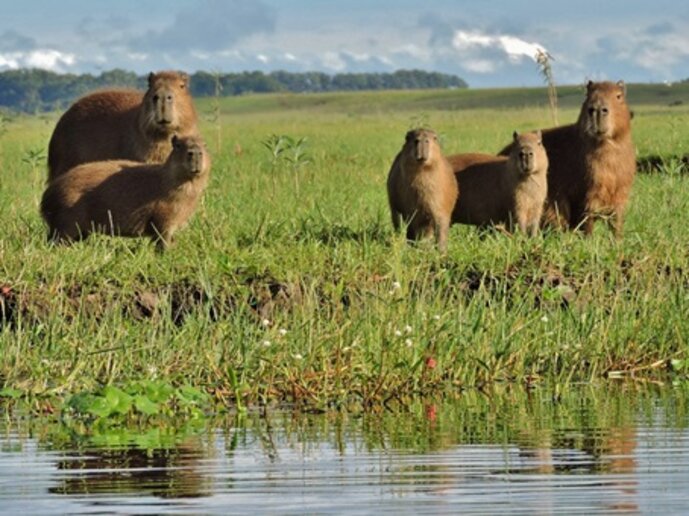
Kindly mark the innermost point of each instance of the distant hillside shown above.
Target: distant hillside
(38, 90)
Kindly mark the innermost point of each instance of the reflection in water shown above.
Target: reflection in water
(591, 451)
(168, 473)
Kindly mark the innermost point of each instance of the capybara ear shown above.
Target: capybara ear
(622, 87)
(175, 141)
(589, 85)
(185, 79)
(151, 76)
(409, 136)
(515, 136)
(539, 133)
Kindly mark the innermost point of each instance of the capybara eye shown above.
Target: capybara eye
(156, 98)
(591, 111)
(604, 111)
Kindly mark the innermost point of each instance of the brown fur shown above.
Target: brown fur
(421, 188)
(592, 162)
(124, 124)
(504, 190)
(126, 198)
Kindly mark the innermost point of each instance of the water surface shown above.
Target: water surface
(591, 450)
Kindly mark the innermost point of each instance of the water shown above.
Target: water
(591, 450)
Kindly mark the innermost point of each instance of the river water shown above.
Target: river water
(591, 449)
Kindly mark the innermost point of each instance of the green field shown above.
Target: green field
(290, 286)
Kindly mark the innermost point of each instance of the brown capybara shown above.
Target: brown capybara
(126, 198)
(124, 124)
(592, 162)
(504, 190)
(421, 188)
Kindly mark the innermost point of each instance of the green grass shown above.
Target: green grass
(361, 311)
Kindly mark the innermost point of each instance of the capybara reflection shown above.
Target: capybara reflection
(592, 162)
(421, 188)
(502, 190)
(124, 124)
(125, 198)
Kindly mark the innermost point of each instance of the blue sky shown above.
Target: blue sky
(488, 43)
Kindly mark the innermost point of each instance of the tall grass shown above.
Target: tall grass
(281, 290)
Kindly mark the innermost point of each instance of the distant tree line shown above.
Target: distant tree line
(40, 90)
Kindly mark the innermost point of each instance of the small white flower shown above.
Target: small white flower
(282, 332)
(407, 329)
(544, 319)
(265, 322)
(436, 317)
(297, 356)
(266, 343)
(408, 343)
(396, 285)
(398, 333)
(152, 370)
(346, 349)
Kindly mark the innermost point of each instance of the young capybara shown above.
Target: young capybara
(421, 188)
(508, 190)
(592, 162)
(124, 124)
(126, 198)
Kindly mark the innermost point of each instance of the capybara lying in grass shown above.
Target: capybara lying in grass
(125, 198)
(421, 188)
(592, 162)
(509, 190)
(124, 124)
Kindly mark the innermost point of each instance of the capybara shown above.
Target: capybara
(504, 190)
(592, 162)
(124, 124)
(126, 198)
(421, 188)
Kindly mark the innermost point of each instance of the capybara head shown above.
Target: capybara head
(421, 144)
(528, 153)
(189, 157)
(605, 111)
(167, 102)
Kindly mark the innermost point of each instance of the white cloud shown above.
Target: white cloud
(333, 61)
(514, 48)
(45, 59)
(263, 58)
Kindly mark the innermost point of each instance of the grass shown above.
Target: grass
(298, 290)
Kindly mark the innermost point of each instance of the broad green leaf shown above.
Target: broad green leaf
(120, 402)
(144, 405)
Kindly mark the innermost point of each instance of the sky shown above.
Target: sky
(489, 43)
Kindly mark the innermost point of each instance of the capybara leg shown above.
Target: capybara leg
(587, 224)
(396, 219)
(57, 237)
(162, 242)
(534, 227)
(442, 229)
(616, 223)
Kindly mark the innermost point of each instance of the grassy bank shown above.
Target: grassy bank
(290, 285)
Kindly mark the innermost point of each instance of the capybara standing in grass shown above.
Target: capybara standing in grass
(126, 198)
(592, 162)
(504, 190)
(124, 124)
(421, 188)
